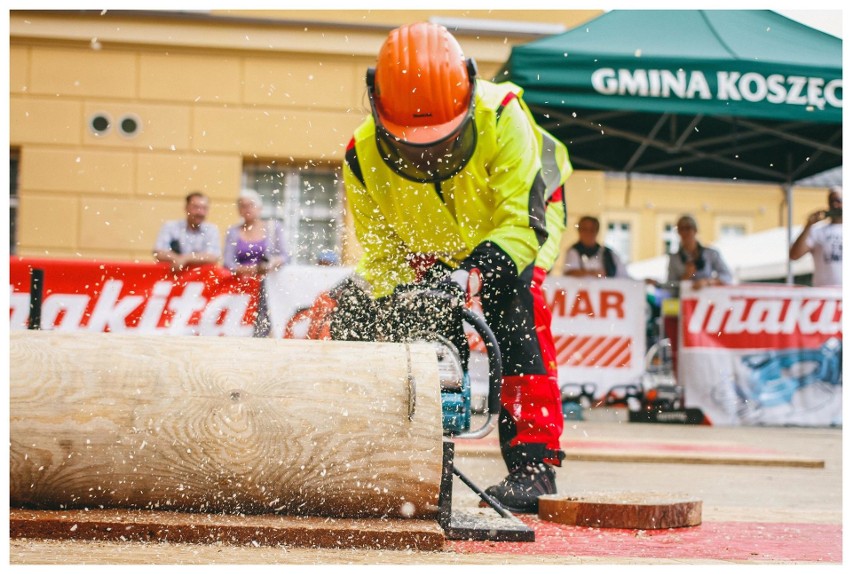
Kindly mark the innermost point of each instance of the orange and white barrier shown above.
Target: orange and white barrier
(599, 330)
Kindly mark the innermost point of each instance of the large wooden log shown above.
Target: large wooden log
(223, 425)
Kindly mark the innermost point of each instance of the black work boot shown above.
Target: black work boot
(519, 491)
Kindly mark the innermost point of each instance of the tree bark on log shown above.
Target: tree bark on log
(223, 425)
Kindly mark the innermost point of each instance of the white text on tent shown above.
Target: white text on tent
(751, 86)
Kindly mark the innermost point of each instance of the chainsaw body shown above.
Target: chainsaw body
(422, 315)
(455, 383)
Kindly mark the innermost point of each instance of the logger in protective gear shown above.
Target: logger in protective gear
(448, 173)
(422, 101)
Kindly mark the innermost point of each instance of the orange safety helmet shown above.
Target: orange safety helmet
(422, 94)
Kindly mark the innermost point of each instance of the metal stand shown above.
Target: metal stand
(460, 525)
(36, 294)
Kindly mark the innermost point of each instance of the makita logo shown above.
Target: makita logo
(167, 309)
(759, 323)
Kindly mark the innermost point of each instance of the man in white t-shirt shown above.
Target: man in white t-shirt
(824, 242)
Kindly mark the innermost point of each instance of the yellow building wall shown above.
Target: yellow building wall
(212, 93)
(208, 94)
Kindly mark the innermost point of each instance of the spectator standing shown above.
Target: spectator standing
(327, 258)
(253, 248)
(588, 258)
(824, 242)
(694, 262)
(189, 242)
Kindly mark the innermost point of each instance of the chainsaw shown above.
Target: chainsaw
(424, 314)
(429, 315)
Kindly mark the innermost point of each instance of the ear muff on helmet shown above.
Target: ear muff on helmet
(422, 97)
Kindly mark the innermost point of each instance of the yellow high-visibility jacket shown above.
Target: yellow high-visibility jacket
(491, 215)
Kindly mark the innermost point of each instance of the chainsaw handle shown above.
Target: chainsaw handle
(495, 373)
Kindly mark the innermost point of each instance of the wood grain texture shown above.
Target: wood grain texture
(223, 424)
(644, 511)
(257, 530)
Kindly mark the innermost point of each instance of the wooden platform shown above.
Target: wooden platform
(256, 530)
(644, 511)
(656, 452)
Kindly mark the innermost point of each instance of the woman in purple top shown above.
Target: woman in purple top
(254, 247)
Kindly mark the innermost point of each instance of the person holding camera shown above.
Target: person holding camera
(189, 242)
(824, 242)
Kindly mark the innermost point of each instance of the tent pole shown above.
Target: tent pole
(627, 190)
(788, 194)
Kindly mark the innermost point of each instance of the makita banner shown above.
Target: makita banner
(762, 355)
(599, 330)
(149, 298)
(138, 297)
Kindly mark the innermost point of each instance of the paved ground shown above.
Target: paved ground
(752, 514)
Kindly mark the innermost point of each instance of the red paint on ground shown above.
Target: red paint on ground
(728, 541)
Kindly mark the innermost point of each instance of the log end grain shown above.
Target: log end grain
(633, 510)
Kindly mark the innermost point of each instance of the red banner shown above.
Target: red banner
(141, 297)
(763, 354)
(774, 318)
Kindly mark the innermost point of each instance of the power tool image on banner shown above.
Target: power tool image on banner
(778, 381)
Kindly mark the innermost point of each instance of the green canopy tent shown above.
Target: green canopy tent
(732, 94)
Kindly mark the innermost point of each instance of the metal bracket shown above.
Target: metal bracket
(460, 525)
(412, 385)
(36, 294)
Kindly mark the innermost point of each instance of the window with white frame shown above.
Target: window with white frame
(671, 240)
(619, 239)
(306, 200)
(732, 230)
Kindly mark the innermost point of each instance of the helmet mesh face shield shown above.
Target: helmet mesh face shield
(429, 162)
